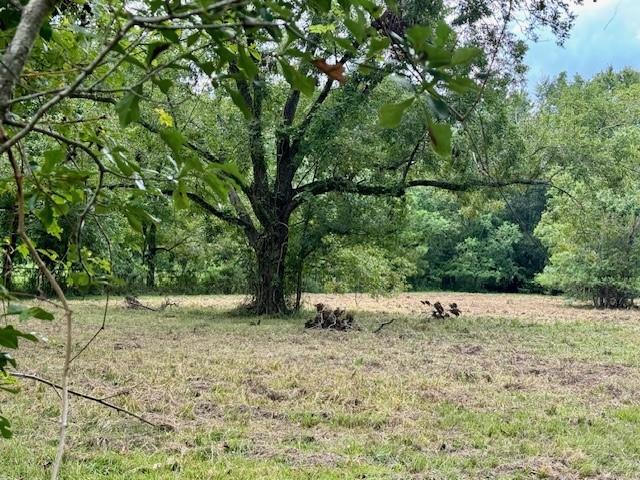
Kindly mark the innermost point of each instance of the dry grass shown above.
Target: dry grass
(522, 307)
(520, 387)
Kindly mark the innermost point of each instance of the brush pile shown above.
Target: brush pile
(438, 310)
(326, 318)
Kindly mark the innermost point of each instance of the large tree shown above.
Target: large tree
(299, 141)
(334, 58)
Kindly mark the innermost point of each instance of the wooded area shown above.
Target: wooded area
(271, 148)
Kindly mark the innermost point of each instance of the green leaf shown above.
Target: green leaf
(155, 49)
(5, 428)
(128, 107)
(28, 312)
(180, 197)
(390, 114)
(46, 32)
(246, 63)
(171, 35)
(207, 67)
(322, 28)
(238, 99)
(216, 184)
(418, 36)
(444, 33)
(45, 215)
(49, 218)
(297, 79)
(345, 43)
(440, 135)
(231, 170)
(174, 140)
(193, 38)
(23, 250)
(357, 27)
(5, 360)
(438, 106)
(9, 337)
(39, 313)
(370, 7)
(461, 84)
(82, 279)
(322, 6)
(437, 56)
(462, 56)
(163, 84)
(376, 45)
(51, 159)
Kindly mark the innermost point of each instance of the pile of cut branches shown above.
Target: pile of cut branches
(438, 310)
(327, 318)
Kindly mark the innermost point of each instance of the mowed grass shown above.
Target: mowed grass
(478, 397)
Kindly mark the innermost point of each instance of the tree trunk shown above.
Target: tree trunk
(300, 268)
(271, 252)
(606, 297)
(9, 251)
(150, 251)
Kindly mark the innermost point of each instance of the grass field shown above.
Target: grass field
(519, 387)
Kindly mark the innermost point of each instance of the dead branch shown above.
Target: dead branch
(438, 310)
(132, 302)
(85, 396)
(383, 324)
(329, 319)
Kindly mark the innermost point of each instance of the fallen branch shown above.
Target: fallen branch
(382, 325)
(83, 395)
(132, 302)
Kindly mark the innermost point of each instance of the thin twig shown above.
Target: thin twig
(102, 327)
(84, 395)
(383, 324)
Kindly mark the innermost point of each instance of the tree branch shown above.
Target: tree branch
(397, 190)
(51, 279)
(32, 17)
(227, 217)
(83, 395)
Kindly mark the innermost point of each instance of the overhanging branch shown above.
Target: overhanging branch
(321, 187)
(222, 215)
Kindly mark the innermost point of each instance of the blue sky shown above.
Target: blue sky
(606, 33)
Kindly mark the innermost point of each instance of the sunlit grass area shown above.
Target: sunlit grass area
(480, 396)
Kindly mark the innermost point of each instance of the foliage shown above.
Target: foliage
(592, 224)
(461, 248)
(489, 261)
(598, 259)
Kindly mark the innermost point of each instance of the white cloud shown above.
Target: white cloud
(605, 34)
